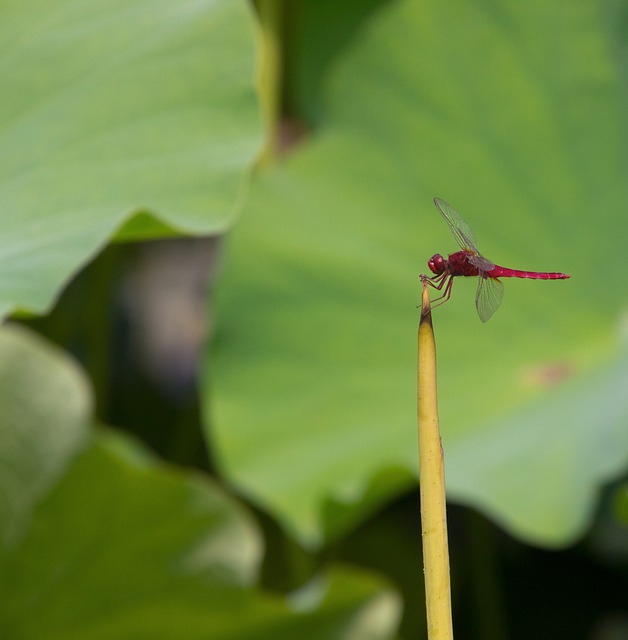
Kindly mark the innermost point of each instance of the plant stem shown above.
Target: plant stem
(270, 72)
(432, 485)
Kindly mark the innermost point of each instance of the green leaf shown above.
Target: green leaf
(117, 545)
(573, 439)
(515, 116)
(115, 109)
(46, 405)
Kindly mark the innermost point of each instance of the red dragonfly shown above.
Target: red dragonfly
(470, 262)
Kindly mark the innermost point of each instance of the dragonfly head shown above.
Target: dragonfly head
(437, 264)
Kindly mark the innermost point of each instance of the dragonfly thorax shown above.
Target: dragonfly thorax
(437, 264)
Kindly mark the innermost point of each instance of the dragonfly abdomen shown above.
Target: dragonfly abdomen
(504, 272)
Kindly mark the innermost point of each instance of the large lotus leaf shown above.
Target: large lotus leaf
(113, 109)
(514, 114)
(117, 546)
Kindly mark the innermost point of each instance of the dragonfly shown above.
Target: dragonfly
(470, 262)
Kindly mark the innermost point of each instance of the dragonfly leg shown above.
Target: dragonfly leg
(436, 281)
(446, 293)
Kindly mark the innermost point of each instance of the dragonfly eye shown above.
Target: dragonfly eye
(436, 264)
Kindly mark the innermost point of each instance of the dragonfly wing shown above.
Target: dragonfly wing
(461, 230)
(489, 296)
(479, 261)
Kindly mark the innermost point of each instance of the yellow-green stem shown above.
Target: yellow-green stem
(432, 485)
(270, 73)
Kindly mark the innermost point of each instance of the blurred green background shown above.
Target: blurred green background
(213, 215)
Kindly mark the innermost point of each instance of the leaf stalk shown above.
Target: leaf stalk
(432, 484)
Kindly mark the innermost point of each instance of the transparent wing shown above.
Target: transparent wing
(479, 261)
(464, 235)
(488, 297)
(462, 231)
